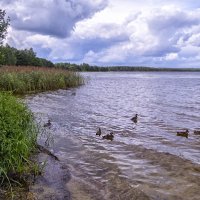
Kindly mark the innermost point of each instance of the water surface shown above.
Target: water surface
(145, 160)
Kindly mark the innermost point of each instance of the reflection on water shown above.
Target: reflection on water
(145, 160)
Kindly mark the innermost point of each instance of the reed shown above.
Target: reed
(18, 136)
(22, 80)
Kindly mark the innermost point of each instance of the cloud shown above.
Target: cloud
(137, 41)
(171, 56)
(51, 17)
(154, 39)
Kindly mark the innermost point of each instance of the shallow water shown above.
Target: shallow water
(145, 160)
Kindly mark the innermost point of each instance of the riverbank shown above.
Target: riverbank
(19, 131)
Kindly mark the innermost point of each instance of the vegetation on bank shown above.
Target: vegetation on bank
(17, 139)
(23, 80)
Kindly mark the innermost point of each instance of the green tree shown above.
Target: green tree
(4, 23)
(26, 57)
(7, 55)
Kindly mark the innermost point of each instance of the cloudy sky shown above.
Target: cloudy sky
(159, 33)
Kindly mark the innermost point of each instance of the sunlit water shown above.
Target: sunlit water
(145, 160)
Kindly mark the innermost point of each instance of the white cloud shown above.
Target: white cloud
(171, 56)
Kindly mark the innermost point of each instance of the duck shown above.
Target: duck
(135, 118)
(183, 133)
(48, 124)
(73, 93)
(109, 136)
(98, 132)
(197, 132)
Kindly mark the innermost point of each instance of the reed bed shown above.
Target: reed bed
(18, 136)
(22, 80)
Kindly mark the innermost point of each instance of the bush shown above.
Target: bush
(18, 135)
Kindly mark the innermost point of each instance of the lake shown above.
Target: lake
(145, 160)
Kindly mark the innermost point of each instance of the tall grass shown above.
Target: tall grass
(18, 136)
(21, 80)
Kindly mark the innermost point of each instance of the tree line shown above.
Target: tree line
(24, 57)
(84, 67)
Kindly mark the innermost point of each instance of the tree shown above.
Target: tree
(24, 57)
(4, 23)
(7, 55)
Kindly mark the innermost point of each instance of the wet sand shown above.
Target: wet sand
(52, 183)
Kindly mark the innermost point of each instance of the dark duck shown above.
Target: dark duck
(109, 136)
(98, 132)
(48, 124)
(183, 133)
(135, 118)
(197, 132)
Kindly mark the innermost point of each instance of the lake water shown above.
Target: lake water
(145, 160)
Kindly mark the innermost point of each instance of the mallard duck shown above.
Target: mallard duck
(183, 133)
(135, 118)
(197, 132)
(48, 124)
(98, 132)
(109, 136)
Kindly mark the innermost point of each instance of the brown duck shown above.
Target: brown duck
(135, 118)
(197, 132)
(109, 136)
(98, 132)
(183, 133)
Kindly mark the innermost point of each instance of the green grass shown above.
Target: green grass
(23, 80)
(18, 136)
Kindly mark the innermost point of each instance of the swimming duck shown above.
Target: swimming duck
(197, 132)
(98, 132)
(73, 93)
(48, 124)
(183, 133)
(135, 118)
(109, 136)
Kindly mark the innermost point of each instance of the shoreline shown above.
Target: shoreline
(15, 83)
(51, 184)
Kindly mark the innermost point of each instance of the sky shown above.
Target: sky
(154, 33)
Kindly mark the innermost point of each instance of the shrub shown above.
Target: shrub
(18, 135)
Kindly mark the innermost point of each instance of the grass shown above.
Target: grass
(23, 80)
(18, 136)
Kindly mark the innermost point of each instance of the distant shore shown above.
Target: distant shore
(92, 68)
